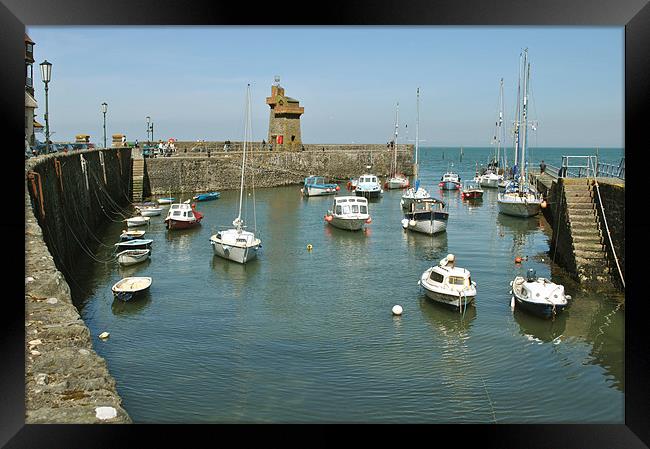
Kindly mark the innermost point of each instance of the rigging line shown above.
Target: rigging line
(81, 245)
(102, 187)
(116, 208)
(104, 211)
(80, 216)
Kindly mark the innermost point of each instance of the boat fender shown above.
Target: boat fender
(412, 223)
(405, 223)
(328, 218)
(543, 204)
(512, 303)
(369, 220)
(338, 188)
(309, 247)
(518, 259)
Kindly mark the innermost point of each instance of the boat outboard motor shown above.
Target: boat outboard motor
(531, 275)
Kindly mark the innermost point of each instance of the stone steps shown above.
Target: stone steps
(591, 237)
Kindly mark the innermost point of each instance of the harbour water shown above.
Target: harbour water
(308, 336)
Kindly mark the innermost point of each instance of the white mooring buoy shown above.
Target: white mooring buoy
(397, 309)
(512, 303)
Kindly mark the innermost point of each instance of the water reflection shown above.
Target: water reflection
(133, 270)
(132, 307)
(448, 322)
(539, 329)
(427, 247)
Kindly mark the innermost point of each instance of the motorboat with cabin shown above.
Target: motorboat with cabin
(449, 285)
(427, 216)
(450, 181)
(368, 186)
(316, 186)
(538, 295)
(348, 212)
(471, 190)
(182, 216)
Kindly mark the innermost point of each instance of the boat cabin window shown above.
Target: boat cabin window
(373, 179)
(436, 277)
(456, 280)
(355, 208)
(176, 213)
(346, 209)
(364, 209)
(338, 210)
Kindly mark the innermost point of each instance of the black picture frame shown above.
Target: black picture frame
(634, 15)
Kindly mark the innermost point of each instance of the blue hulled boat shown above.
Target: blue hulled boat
(206, 196)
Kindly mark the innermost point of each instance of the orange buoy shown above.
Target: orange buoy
(328, 218)
(337, 188)
(543, 205)
(518, 259)
(369, 220)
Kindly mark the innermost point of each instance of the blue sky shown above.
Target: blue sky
(192, 81)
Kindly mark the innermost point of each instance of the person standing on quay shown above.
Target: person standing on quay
(542, 167)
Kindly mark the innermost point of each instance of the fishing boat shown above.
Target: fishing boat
(348, 212)
(167, 200)
(471, 190)
(368, 186)
(131, 235)
(131, 287)
(206, 196)
(182, 216)
(450, 181)
(426, 216)
(137, 221)
(316, 186)
(149, 211)
(520, 199)
(397, 179)
(538, 295)
(236, 243)
(449, 285)
(417, 192)
(133, 256)
(134, 244)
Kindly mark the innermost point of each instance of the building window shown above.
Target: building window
(30, 48)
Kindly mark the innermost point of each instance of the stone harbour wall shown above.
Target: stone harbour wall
(196, 172)
(66, 381)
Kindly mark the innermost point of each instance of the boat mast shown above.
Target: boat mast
(243, 160)
(417, 129)
(395, 142)
(523, 118)
(500, 123)
(517, 162)
(502, 128)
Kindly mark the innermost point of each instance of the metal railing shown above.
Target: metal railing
(585, 167)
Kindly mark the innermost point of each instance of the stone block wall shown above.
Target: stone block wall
(612, 194)
(66, 381)
(222, 171)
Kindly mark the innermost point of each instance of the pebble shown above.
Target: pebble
(38, 341)
(52, 300)
(84, 352)
(104, 335)
(29, 279)
(41, 379)
(34, 352)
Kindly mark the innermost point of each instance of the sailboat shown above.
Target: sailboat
(416, 192)
(519, 199)
(491, 177)
(397, 180)
(237, 244)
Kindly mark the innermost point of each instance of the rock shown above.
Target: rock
(104, 413)
(35, 342)
(28, 280)
(52, 300)
(41, 379)
(84, 352)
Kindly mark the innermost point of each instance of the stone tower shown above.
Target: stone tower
(284, 121)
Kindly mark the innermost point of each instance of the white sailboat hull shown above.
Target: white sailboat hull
(516, 206)
(397, 183)
(425, 226)
(490, 182)
(234, 245)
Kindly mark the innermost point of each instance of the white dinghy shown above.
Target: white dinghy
(133, 256)
(131, 287)
(137, 221)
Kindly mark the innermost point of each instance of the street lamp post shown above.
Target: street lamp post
(46, 74)
(104, 109)
(148, 127)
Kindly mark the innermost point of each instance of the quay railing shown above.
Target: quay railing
(586, 167)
